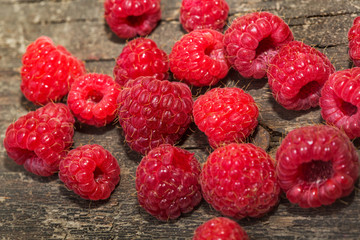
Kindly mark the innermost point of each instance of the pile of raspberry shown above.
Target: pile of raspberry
(150, 95)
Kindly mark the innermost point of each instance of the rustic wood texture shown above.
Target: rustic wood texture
(33, 207)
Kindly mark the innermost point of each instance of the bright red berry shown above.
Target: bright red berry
(316, 165)
(253, 39)
(296, 75)
(239, 180)
(90, 171)
(198, 58)
(167, 182)
(225, 115)
(41, 138)
(128, 18)
(354, 42)
(48, 71)
(141, 57)
(220, 228)
(92, 99)
(153, 112)
(200, 14)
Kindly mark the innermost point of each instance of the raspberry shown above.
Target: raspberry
(340, 100)
(141, 57)
(128, 18)
(225, 115)
(92, 99)
(198, 58)
(252, 40)
(153, 112)
(48, 71)
(220, 228)
(41, 138)
(316, 165)
(354, 42)
(239, 180)
(167, 182)
(296, 75)
(90, 171)
(200, 14)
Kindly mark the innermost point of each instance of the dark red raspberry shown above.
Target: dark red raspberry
(220, 228)
(48, 71)
(167, 182)
(141, 57)
(340, 100)
(296, 75)
(239, 180)
(198, 58)
(153, 112)
(200, 14)
(92, 99)
(316, 165)
(41, 138)
(252, 40)
(128, 18)
(354, 42)
(226, 115)
(90, 171)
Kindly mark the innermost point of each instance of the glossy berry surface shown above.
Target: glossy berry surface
(296, 75)
(167, 182)
(354, 42)
(239, 181)
(41, 138)
(198, 58)
(316, 165)
(48, 71)
(90, 171)
(252, 40)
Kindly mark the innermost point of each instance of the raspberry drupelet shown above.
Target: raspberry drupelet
(354, 42)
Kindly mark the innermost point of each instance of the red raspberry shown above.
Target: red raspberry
(252, 40)
(153, 112)
(239, 180)
(296, 75)
(200, 14)
(226, 115)
(90, 171)
(167, 182)
(128, 18)
(316, 165)
(340, 100)
(92, 99)
(220, 228)
(354, 42)
(141, 57)
(48, 71)
(41, 138)
(198, 58)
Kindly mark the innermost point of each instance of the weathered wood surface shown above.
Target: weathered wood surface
(33, 207)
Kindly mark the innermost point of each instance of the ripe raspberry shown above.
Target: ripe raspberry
(239, 180)
(141, 57)
(90, 171)
(48, 71)
(252, 40)
(316, 165)
(198, 58)
(354, 42)
(41, 138)
(128, 18)
(201, 14)
(153, 112)
(92, 99)
(167, 182)
(296, 75)
(340, 100)
(220, 228)
(225, 115)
